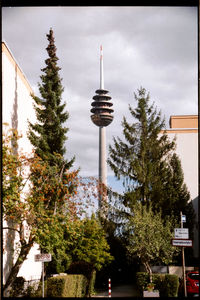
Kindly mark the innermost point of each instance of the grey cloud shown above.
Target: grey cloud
(153, 47)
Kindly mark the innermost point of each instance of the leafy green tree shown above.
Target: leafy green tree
(150, 236)
(35, 218)
(91, 244)
(12, 175)
(89, 250)
(48, 135)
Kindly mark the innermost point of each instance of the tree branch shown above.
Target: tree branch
(10, 228)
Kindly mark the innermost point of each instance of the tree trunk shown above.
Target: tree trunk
(25, 248)
(148, 269)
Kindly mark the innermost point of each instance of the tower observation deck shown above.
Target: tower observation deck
(101, 111)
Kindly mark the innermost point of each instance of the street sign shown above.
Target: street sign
(181, 243)
(181, 233)
(183, 218)
(44, 257)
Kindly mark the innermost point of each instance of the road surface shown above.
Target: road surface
(125, 290)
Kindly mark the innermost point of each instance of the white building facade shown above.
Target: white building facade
(17, 109)
(185, 129)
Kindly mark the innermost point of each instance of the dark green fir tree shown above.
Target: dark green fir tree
(48, 135)
(176, 197)
(138, 160)
(146, 162)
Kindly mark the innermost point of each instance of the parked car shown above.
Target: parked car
(192, 284)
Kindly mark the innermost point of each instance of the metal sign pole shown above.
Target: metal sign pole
(43, 257)
(183, 260)
(42, 279)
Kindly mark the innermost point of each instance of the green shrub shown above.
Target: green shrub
(158, 280)
(142, 280)
(18, 287)
(171, 284)
(30, 292)
(166, 284)
(66, 286)
(86, 269)
(81, 283)
(33, 291)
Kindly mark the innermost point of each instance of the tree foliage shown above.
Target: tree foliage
(150, 236)
(48, 135)
(40, 193)
(91, 245)
(49, 212)
(146, 162)
(85, 249)
(139, 160)
(90, 250)
(12, 173)
(35, 217)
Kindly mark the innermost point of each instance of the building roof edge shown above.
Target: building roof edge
(17, 64)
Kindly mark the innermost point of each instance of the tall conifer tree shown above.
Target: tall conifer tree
(48, 135)
(146, 162)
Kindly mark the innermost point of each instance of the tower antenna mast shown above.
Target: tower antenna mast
(101, 69)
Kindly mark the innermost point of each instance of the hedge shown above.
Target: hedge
(167, 284)
(18, 287)
(67, 286)
(171, 285)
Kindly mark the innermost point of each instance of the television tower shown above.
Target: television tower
(101, 117)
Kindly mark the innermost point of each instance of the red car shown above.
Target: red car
(192, 282)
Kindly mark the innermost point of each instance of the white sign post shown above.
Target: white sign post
(181, 233)
(183, 218)
(43, 257)
(182, 240)
(181, 243)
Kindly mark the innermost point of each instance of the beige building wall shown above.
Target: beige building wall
(189, 122)
(17, 107)
(185, 129)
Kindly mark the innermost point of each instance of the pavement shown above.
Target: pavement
(125, 290)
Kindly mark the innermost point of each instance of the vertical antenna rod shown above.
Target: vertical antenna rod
(101, 69)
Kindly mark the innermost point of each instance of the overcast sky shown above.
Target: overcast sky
(152, 47)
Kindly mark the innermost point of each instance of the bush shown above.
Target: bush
(158, 280)
(142, 280)
(67, 286)
(167, 284)
(81, 284)
(171, 284)
(18, 287)
(86, 269)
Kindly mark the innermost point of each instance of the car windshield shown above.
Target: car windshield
(194, 276)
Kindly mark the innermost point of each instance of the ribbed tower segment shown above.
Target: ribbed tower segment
(101, 111)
